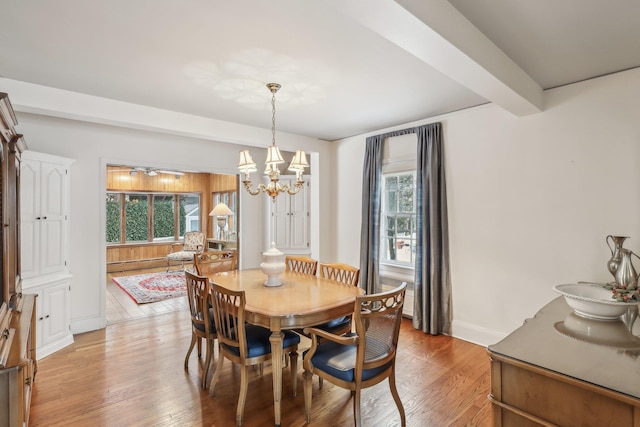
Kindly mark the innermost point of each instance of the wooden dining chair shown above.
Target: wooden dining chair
(244, 344)
(343, 273)
(348, 275)
(202, 324)
(363, 359)
(301, 264)
(215, 261)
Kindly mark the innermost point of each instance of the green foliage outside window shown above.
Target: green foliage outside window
(136, 218)
(163, 224)
(137, 212)
(113, 218)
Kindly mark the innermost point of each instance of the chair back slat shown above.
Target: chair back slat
(377, 319)
(301, 264)
(215, 261)
(342, 273)
(198, 297)
(228, 312)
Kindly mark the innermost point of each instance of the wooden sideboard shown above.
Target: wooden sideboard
(559, 369)
(17, 372)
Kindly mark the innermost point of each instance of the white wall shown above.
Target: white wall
(93, 145)
(530, 199)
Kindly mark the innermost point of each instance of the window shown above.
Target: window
(398, 219)
(144, 217)
(114, 229)
(164, 226)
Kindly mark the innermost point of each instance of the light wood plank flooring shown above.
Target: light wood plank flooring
(131, 374)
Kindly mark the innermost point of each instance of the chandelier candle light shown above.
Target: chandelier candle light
(246, 164)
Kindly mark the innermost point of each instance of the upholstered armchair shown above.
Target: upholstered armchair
(194, 242)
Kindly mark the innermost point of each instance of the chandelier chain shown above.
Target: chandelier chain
(273, 117)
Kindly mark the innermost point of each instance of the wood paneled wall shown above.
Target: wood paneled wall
(119, 179)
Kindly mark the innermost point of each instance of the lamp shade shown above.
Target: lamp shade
(246, 163)
(273, 156)
(221, 209)
(299, 161)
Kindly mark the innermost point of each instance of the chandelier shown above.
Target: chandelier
(274, 158)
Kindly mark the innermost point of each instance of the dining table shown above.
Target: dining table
(300, 301)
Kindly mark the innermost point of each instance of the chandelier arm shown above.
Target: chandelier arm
(296, 188)
(247, 186)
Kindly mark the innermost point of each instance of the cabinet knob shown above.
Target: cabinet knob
(37, 217)
(41, 318)
(46, 317)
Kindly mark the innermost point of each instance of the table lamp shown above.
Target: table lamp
(222, 211)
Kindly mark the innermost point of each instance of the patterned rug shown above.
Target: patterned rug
(153, 287)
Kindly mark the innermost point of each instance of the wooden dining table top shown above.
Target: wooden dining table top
(302, 300)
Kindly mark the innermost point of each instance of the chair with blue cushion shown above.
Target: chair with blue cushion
(362, 359)
(348, 275)
(202, 324)
(242, 343)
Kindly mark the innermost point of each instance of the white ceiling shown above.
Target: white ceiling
(346, 67)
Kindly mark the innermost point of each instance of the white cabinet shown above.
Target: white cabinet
(289, 215)
(52, 316)
(44, 238)
(44, 206)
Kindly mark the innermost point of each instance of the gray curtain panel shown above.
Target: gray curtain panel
(432, 287)
(370, 231)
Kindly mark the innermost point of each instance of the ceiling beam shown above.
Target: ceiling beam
(436, 33)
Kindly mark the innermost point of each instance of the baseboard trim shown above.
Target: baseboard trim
(475, 334)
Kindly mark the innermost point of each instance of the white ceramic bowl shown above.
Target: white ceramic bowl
(592, 301)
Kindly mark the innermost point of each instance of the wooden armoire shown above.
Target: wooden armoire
(18, 364)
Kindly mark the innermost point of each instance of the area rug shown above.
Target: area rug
(153, 287)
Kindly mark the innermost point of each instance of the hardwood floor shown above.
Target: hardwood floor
(131, 374)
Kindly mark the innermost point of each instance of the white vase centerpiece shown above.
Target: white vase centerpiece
(273, 264)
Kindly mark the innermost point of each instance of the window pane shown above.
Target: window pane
(391, 201)
(406, 193)
(136, 217)
(163, 216)
(398, 224)
(113, 218)
(391, 183)
(189, 214)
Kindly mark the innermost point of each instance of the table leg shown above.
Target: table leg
(276, 339)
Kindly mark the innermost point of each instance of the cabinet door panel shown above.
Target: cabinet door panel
(56, 323)
(280, 221)
(52, 246)
(299, 219)
(29, 224)
(53, 191)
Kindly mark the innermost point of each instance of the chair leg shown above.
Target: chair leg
(199, 347)
(186, 359)
(396, 397)
(356, 407)
(308, 384)
(320, 382)
(244, 385)
(294, 371)
(216, 375)
(207, 363)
